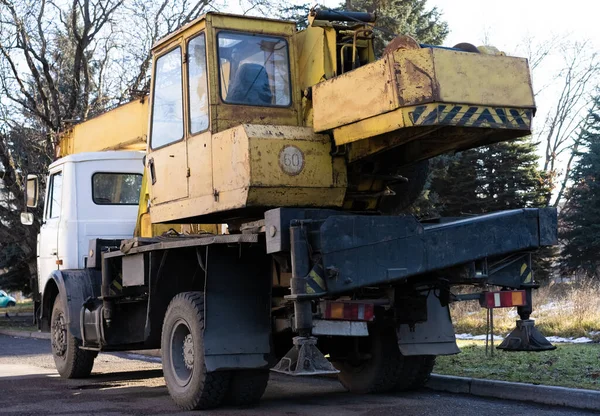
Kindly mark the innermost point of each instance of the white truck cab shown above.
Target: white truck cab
(88, 195)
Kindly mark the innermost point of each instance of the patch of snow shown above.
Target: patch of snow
(478, 337)
(558, 340)
(580, 340)
(593, 333)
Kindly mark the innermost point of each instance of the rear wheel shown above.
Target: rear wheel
(377, 366)
(70, 360)
(190, 385)
(10, 304)
(247, 387)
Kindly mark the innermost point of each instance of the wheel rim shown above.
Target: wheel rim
(59, 335)
(182, 352)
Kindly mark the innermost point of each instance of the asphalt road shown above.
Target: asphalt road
(123, 385)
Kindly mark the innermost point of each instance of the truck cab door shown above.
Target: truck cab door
(167, 159)
(48, 237)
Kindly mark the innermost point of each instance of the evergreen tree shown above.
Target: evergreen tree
(580, 231)
(394, 17)
(402, 17)
(492, 178)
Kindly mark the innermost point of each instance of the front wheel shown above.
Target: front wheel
(190, 385)
(70, 360)
(10, 304)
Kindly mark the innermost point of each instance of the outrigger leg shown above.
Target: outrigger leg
(526, 337)
(304, 358)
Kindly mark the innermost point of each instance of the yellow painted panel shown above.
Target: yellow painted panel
(355, 95)
(251, 24)
(309, 159)
(415, 75)
(228, 116)
(170, 167)
(199, 158)
(230, 160)
(247, 171)
(183, 208)
(369, 127)
(473, 78)
(123, 128)
(299, 197)
(316, 61)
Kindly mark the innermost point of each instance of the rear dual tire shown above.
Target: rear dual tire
(386, 369)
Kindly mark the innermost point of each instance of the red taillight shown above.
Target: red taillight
(349, 311)
(503, 299)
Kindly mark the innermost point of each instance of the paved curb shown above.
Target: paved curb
(551, 395)
(25, 334)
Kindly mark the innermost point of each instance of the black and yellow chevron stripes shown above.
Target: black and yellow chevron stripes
(315, 282)
(471, 116)
(116, 286)
(526, 273)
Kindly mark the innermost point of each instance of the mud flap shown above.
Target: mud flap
(237, 314)
(435, 336)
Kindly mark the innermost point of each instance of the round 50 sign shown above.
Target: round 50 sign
(291, 160)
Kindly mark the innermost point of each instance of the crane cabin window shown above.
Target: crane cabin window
(198, 82)
(254, 69)
(167, 102)
(116, 188)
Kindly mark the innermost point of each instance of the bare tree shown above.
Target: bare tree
(567, 114)
(147, 22)
(31, 47)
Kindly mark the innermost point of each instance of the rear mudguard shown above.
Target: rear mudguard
(435, 336)
(74, 287)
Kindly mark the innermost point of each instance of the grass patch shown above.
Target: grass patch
(565, 310)
(26, 306)
(570, 365)
(17, 323)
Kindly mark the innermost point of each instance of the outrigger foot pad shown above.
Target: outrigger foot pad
(526, 337)
(304, 359)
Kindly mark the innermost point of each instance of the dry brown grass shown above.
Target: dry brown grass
(563, 309)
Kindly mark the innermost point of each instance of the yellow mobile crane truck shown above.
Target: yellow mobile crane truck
(306, 146)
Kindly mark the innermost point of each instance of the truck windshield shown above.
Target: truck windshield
(254, 69)
(116, 188)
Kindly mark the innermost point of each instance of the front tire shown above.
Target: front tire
(383, 368)
(70, 360)
(190, 385)
(10, 304)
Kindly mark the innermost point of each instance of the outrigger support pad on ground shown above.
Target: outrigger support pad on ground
(304, 359)
(526, 337)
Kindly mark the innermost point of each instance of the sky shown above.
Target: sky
(506, 24)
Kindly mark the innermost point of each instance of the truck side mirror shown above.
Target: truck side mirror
(32, 191)
(27, 218)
